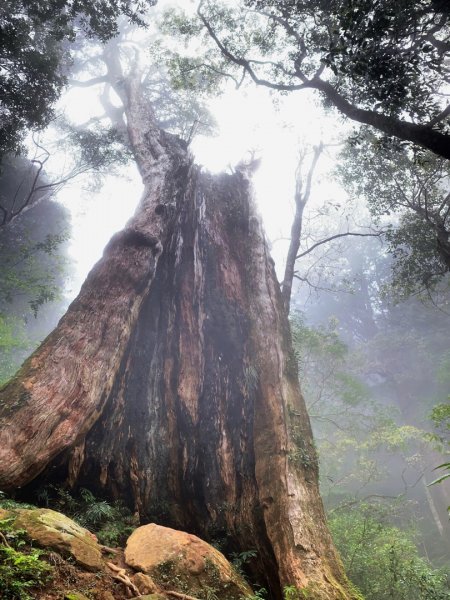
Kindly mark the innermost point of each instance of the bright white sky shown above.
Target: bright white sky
(247, 120)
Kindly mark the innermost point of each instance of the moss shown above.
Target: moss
(166, 575)
(51, 529)
(213, 573)
(75, 596)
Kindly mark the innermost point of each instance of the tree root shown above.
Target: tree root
(108, 550)
(121, 575)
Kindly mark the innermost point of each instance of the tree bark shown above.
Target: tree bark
(173, 385)
(422, 135)
(171, 382)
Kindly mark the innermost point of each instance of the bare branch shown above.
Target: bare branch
(88, 82)
(337, 236)
(301, 200)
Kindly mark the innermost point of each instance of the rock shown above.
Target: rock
(103, 595)
(183, 562)
(51, 529)
(144, 583)
(150, 597)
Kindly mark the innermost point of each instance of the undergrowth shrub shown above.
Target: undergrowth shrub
(112, 523)
(21, 568)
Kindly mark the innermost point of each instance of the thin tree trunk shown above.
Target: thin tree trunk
(301, 199)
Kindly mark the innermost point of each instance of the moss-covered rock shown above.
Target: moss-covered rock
(52, 530)
(75, 596)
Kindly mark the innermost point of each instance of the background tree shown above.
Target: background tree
(409, 189)
(380, 367)
(33, 252)
(381, 63)
(35, 55)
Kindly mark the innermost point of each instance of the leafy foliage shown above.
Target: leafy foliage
(34, 53)
(21, 569)
(408, 188)
(112, 523)
(380, 62)
(382, 561)
(32, 251)
(240, 559)
(354, 433)
(368, 46)
(440, 414)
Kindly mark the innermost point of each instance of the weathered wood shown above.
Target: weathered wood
(171, 383)
(61, 389)
(204, 427)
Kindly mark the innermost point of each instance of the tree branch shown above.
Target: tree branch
(242, 62)
(337, 236)
(297, 225)
(422, 135)
(440, 117)
(88, 82)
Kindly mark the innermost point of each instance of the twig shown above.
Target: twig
(335, 237)
(4, 540)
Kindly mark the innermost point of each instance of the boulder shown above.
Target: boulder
(182, 562)
(50, 529)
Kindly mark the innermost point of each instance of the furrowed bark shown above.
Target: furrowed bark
(59, 392)
(204, 427)
(171, 382)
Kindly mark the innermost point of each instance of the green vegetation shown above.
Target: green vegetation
(362, 439)
(35, 54)
(357, 55)
(395, 179)
(383, 561)
(240, 559)
(21, 569)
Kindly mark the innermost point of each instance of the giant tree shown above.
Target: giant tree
(170, 382)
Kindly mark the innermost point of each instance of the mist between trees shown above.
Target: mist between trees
(294, 414)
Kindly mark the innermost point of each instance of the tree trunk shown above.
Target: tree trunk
(177, 390)
(171, 381)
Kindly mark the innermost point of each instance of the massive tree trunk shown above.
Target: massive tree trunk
(176, 389)
(171, 381)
